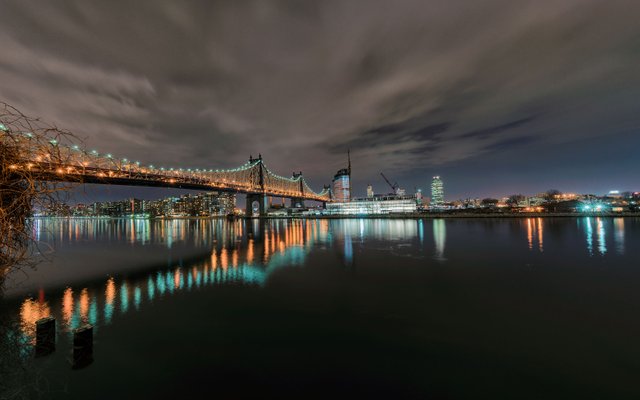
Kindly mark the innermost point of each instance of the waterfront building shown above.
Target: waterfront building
(198, 205)
(376, 205)
(419, 197)
(437, 192)
(370, 191)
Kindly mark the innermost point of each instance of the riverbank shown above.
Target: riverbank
(479, 215)
(427, 215)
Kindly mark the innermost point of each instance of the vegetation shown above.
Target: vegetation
(23, 140)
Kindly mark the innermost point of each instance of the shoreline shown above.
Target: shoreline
(383, 216)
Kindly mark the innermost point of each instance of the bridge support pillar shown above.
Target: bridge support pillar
(261, 207)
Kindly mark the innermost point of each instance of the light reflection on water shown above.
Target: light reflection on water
(246, 253)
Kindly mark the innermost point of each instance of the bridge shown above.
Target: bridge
(58, 159)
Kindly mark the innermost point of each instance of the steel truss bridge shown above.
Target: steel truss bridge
(58, 162)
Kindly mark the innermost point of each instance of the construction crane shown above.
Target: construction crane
(394, 186)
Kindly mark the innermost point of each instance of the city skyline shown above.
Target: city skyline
(526, 99)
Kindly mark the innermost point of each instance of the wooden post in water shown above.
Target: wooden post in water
(82, 346)
(45, 336)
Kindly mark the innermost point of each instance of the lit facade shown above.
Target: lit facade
(370, 191)
(373, 206)
(437, 192)
(342, 186)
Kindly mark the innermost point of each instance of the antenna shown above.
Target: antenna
(349, 161)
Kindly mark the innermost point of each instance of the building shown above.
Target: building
(342, 183)
(369, 191)
(437, 192)
(388, 204)
(419, 197)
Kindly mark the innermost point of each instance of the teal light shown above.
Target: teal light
(53, 142)
(137, 297)
(151, 290)
(3, 127)
(124, 298)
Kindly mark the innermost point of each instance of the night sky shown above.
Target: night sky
(496, 97)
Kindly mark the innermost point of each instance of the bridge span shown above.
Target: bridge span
(47, 159)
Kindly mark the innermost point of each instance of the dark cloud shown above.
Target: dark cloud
(410, 86)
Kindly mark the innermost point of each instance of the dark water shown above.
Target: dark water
(511, 308)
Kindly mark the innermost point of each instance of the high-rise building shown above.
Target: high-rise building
(342, 183)
(370, 191)
(437, 192)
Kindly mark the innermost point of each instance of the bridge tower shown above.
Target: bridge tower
(298, 201)
(260, 198)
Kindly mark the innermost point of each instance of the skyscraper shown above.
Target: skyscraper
(437, 192)
(342, 183)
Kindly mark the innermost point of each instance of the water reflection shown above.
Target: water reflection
(30, 312)
(618, 235)
(602, 243)
(247, 252)
(535, 233)
(595, 231)
(439, 237)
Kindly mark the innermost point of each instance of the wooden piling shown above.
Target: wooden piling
(82, 346)
(45, 336)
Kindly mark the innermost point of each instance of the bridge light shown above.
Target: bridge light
(28, 134)
(109, 155)
(53, 142)
(76, 147)
(94, 152)
(124, 160)
(138, 163)
(3, 127)
(150, 166)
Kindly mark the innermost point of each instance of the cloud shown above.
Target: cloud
(403, 84)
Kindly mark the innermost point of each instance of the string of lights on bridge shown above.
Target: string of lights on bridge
(103, 165)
